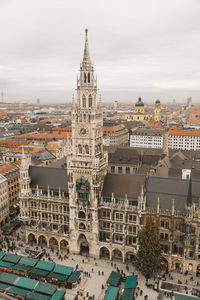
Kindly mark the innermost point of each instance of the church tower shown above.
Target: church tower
(87, 163)
(157, 116)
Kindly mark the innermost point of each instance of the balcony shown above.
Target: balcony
(44, 197)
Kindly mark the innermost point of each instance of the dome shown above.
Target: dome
(139, 102)
(158, 101)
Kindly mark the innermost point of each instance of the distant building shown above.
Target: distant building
(173, 138)
(139, 113)
(184, 139)
(114, 135)
(116, 104)
(10, 171)
(4, 207)
(147, 137)
(189, 102)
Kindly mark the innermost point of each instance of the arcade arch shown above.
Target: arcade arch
(117, 255)
(130, 257)
(64, 245)
(32, 239)
(104, 253)
(42, 241)
(53, 243)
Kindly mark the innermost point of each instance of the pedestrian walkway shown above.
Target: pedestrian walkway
(97, 272)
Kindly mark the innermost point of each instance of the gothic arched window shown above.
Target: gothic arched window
(88, 77)
(82, 226)
(86, 149)
(81, 215)
(90, 100)
(79, 148)
(84, 101)
(85, 78)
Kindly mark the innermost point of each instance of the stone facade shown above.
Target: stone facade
(85, 209)
(4, 204)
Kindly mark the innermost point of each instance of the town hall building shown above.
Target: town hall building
(79, 206)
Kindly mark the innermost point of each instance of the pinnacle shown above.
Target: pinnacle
(86, 55)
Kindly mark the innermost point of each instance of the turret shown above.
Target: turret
(157, 116)
(24, 174)
(165, 139)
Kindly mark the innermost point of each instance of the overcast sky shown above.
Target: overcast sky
(148, 48)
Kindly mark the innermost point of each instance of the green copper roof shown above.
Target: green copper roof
(139, 102)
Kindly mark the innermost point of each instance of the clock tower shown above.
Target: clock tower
(87, 163)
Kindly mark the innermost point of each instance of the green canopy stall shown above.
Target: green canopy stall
(46, 288)
(17, 291)
(114, 279)
(37, 296)
(28, 261)
(11, 258)
(73, 278)
(128, 294)
(131, 282)
(58, 295)
(111, 293)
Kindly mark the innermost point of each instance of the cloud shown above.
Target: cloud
(136, 45)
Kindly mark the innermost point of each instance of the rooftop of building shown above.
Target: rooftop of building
(139, 102)
(183, 132)
(45, 177)
(122, 184)
(8, 168)
(148, 131)
(169, 189)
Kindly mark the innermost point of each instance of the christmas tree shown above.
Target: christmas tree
(148, 258)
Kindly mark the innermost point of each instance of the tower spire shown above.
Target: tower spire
(86, 55)
(189, 195)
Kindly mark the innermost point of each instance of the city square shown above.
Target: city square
(99, 188)
(97, 271)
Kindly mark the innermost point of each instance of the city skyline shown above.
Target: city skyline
(145, 49)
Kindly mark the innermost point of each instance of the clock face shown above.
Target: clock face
(83, 131)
